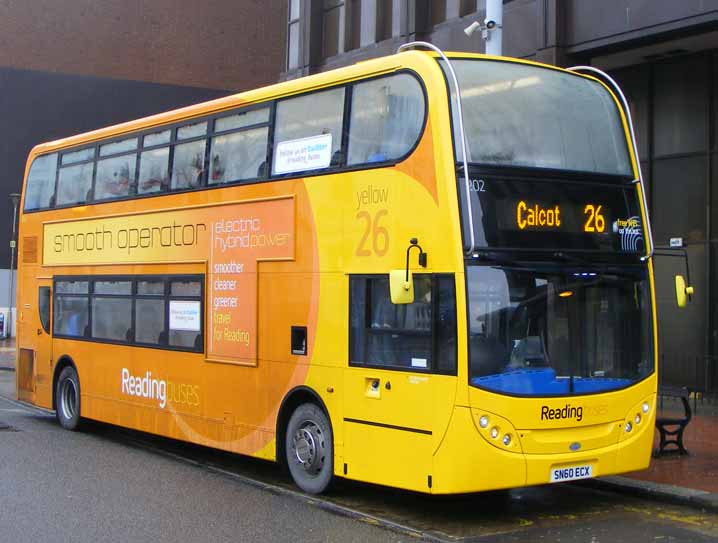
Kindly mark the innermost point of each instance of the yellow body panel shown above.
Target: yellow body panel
(408, 429)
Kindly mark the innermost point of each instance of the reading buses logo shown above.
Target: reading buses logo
(145, 386)
(566, 412)
(569, 411)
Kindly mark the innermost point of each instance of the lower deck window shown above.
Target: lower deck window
(420, 336)
(112, 318)
(159, 311)
(71, 315)
(150, 320)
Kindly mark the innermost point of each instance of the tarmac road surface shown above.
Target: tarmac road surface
(111, 484)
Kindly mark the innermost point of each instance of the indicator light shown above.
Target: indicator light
(494, 432)
(484, 421)
(637, 420)
(565, 293)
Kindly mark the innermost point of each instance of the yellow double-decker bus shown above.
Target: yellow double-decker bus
(425, 271)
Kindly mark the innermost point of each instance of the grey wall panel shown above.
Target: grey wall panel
(40, 106)
(679, 204)
(589, 20)
(681, 332)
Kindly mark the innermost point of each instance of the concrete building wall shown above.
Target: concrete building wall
(71, 66)
(219, 44)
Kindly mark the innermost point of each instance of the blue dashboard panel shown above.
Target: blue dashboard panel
(545, 382)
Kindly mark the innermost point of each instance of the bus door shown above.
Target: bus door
(396, 406)
(35, 355)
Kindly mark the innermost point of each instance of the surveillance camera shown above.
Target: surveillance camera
(469, 30)
(490, 25)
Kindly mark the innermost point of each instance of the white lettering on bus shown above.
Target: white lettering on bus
(145, 387)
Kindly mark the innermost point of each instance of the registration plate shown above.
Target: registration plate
(571, 473)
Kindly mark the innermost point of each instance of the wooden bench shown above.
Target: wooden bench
(672, 428)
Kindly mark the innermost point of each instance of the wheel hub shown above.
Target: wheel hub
(69, 399)
(308, 443)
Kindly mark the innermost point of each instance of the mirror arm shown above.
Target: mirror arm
(414, 242)
(676, 252)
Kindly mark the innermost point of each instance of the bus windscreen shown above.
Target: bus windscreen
(535, 117)
(553, 330)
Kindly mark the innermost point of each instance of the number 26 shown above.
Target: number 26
(595, 222)
(378, 234)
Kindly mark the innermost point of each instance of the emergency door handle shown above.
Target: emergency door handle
(388, 385)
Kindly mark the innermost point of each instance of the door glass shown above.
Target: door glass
(43, 305)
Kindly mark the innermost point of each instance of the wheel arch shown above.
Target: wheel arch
(293, 399)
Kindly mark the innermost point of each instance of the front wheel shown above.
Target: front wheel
(67, 399)
(309, 448)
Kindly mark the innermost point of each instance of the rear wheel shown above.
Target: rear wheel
(67, 399)
(309, 448)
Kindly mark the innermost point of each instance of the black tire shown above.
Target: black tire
(309, 447)
(67, 399)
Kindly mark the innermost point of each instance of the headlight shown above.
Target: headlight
(484, 421)
(629, 427)
(506, 440)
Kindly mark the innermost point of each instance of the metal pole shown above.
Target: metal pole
(494, 39)
(14, 199)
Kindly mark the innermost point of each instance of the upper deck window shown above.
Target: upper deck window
(528, 116)
(242, 120)
(191, 131)
(386, 118)
(74, 184)
(129, 144)
(188, 165)
(239, 155)
(308, 132)
(154, 170)
(115, 177)
(158, 138)
(78, 156)
(41, 182)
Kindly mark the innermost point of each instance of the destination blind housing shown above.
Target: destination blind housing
(521, 213)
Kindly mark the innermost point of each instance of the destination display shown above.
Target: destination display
(552, 214)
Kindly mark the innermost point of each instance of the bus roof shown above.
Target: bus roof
(358, 70)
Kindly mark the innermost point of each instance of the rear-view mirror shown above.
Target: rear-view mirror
(683, 291)
(401, 286)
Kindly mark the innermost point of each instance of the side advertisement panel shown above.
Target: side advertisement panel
(231, 238)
